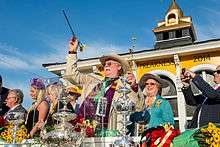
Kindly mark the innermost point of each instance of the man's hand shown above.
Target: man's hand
(73, 45)
(131, 79)
(189, 73)
(186, 76)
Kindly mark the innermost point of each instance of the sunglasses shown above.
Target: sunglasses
(110, 63)
(216, 71)
(151, 84)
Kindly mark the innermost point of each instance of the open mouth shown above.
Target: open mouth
(107, 69)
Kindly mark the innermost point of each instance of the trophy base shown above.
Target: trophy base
(125, 141)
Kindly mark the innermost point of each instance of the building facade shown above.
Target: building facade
(175, 48)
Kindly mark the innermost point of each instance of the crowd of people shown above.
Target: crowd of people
(152, 110)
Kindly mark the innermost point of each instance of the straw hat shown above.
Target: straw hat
(74, 89)
(124, 63)
(163, 83)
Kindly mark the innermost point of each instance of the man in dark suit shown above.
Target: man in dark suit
(14, 101)
(3, 96)
(208, 103)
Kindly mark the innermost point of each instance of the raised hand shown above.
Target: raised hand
(186, 76)
(73, 45)
(131, 78)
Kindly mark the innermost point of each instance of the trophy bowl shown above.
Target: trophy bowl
(62, 138)
(124, 90)
(17, 117)
(120, 105)
(64, 115)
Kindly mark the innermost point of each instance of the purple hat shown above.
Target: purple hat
(38, 83)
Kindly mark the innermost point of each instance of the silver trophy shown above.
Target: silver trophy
(64, 134)
(124, 106)
(101, 107)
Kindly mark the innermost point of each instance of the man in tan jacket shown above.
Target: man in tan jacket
(96, 87)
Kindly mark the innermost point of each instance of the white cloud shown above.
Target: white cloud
(210, 29)
(96, 49)
(12, 62)
(57, 52)
(11, 57)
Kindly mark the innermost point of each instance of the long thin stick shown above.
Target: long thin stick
(81, 46)
(67, 20)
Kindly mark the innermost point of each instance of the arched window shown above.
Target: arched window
(171, 18)
(171, 90)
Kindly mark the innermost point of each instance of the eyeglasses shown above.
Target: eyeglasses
(10, 97)
(151, 84)
(110, 63)
(216, 71)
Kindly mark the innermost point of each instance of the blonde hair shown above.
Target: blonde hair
(40, 97)
(53, 89)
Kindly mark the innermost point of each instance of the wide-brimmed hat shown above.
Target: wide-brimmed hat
(163, 83)
(74, 89)
(124, 63)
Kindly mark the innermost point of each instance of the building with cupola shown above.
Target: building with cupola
(175, 48)
(175, 30)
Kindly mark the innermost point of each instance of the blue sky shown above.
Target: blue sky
(33, 32)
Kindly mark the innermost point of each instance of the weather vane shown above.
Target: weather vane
(81, 46)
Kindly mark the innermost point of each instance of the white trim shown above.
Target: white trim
(203, 67)
(170, 97)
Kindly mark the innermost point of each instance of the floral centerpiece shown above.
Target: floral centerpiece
(7, 133)
(91, 129)
(3, 122)
(208, 136)
(205, 136)
(87, 125)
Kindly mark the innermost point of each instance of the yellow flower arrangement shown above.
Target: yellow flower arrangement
(7, 134)
(209, 135)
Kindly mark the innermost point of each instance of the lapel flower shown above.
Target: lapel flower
(158, 102)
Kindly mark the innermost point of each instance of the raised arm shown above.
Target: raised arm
(205, 88)
(72, 74)
(190, 98)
